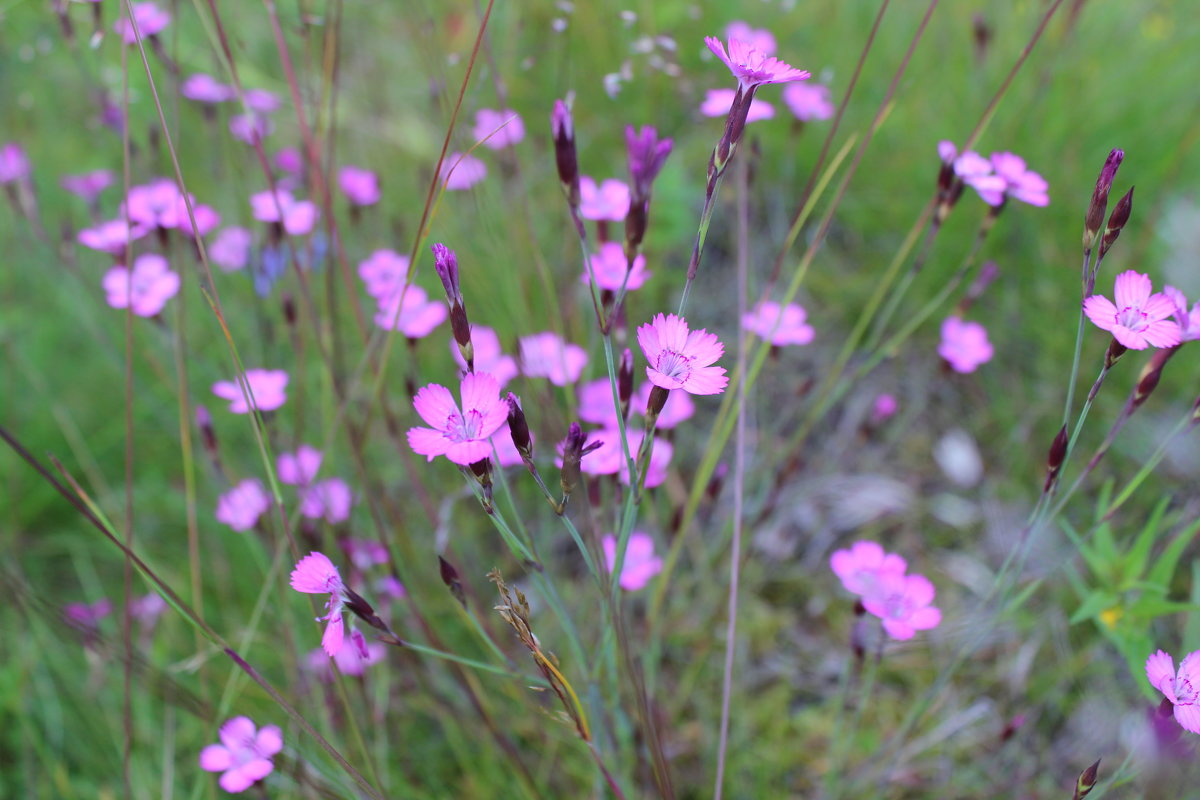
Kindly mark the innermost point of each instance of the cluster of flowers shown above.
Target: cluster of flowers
(997, 178)
(329, 499)
(1139, 316)
(901, 601)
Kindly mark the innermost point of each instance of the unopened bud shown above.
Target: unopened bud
(363, 610)
(450, 578)
(445, 263)
(565, 157)
(575, 447)
(518, 427)
(289, 309)
(1151, 373)
(1054, 460)
(1114, 353)
(204, 423)
(1099, 204)
(1087, 780)
(1116, 221)
(658, 399)
(625, 381)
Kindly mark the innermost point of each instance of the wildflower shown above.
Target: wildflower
(718, 102)
(573, 449)
(751, 66)
(390, 586)
(244, 754)
(1139, 318)
(808, 101)
(364, 553)
(609, 201)
(289, 160)
(261, 101)
(150, 19)
(241, 506)
(145, 289)
(1182, 688)
(462, 171)
(268, 388)
(860, 567)
(87, 185)
(384, 273)
(610, 267)
(411, 312)
(498, 129)
(155, 204)
(87, 616)
(329, 500)
(546, 355)
(230, 250)
(596, 403)
(351, 661)
(1003, 175)
(147, 609)
(779, 325)
(248, 127)
(298, 468)
(1099, 203)
(760, 39)
(361, 186)
(111, 236)
(489, 357)
(445, 263)
(640, 563)
(647, 154)
(460, 436)
(679, 359)
(296, 216)
(14, 164)
(565, 158)
(678, 408)
(316, 574)
(885, 406)
(206, 89)
(609, 458)
(1189, 323)
(902, 602)
(964, 345)
(206, 218)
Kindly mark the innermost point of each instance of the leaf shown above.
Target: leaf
(1151, 607)
(1093, 604)
(1135, 560)
(1094, 561)
(1164, 568)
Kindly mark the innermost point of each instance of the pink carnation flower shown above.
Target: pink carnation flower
(14, 164)
(206, 89)
(262, 101)
(859, 567)
(1138, 319)
(489, 131)
(1189, 323)
(807, 101)
(462, 436)
(610, 267)
(596, 403)
(298, 468)
(545, 355)
(760, 39)
(608, 201)
(150, 20)
(268, 387)
(289, 160)
(679, 359)
(383, 272)
(155, 204)
(1182, 688)
(206, 217)
(248, 127)
(885, 406)
(297, 216)
(417, 315)
(352, 661)
(1003, 175)
(717, 103)
(903, 603)
(147, 609)
(241, 506)
(640, 565)
(244, 754)
(364, 553)
(678, 408)
(316, 574)
(753, 67)
(329, 500)
(361, 186)
(462, 171)
(87, 616)
(489, 357)
(111, 236)
(88, 185)
(145, 289)
(778, 325)
(230, 250)
(609, 458)
(964, 345)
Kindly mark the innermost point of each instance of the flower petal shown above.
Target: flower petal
(1101, 312)
(435, 404)
(269, 740)
(237, 732)
(1160, 671)
(216, 758)
(1132, 288)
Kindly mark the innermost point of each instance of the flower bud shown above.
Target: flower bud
(445, 263)
(565, 157)
(1054, 460)
(1087, 780)
(575, 447)
(1099, 203)
(625, 381)
(518, 427)
(1116, 221)
(450, 578)
(1151, 373)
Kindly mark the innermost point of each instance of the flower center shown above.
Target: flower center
(674, 365)
(1133, 318)
(1185, 695)
(464, 428)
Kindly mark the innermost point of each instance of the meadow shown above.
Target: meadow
(680, 399)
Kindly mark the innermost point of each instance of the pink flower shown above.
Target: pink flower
(1004, 175)
(640, 563)
(297, 216)
(147, 609)
(964, 345)
(364, 553)
(610, 267)
(316, 574)
(807, 101)
(155, 204)
(289, 160)
(361, 186)
(88, 185)
(859, 567)
(1189, 323)
(417, 317)
(146, 289)
(384, 273)
(498, 129)
(14, 164)
(506, 452)
(150, 20)
(206, 217)
(230, 250)
(248, 127)
(489, 357)
(679, 359)
(206, 89)
(298, 468)
(751, 66)
(717, 103)
(903, 603)
(111, 236)
(460, 437)
(241, 506)
(329, 500)
(244, 754)
(885, 407)
(596, 403)
(352, 661)
(760, 39)
(609, 458)
(778, 325)
(545, 355)
(462, 171)
(268, 387)
(947, 151)
(678, 408)
(608, 201)
(390, 586)
(1182, 689)
(1139, 318)
(262, 101)
(87, 616)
